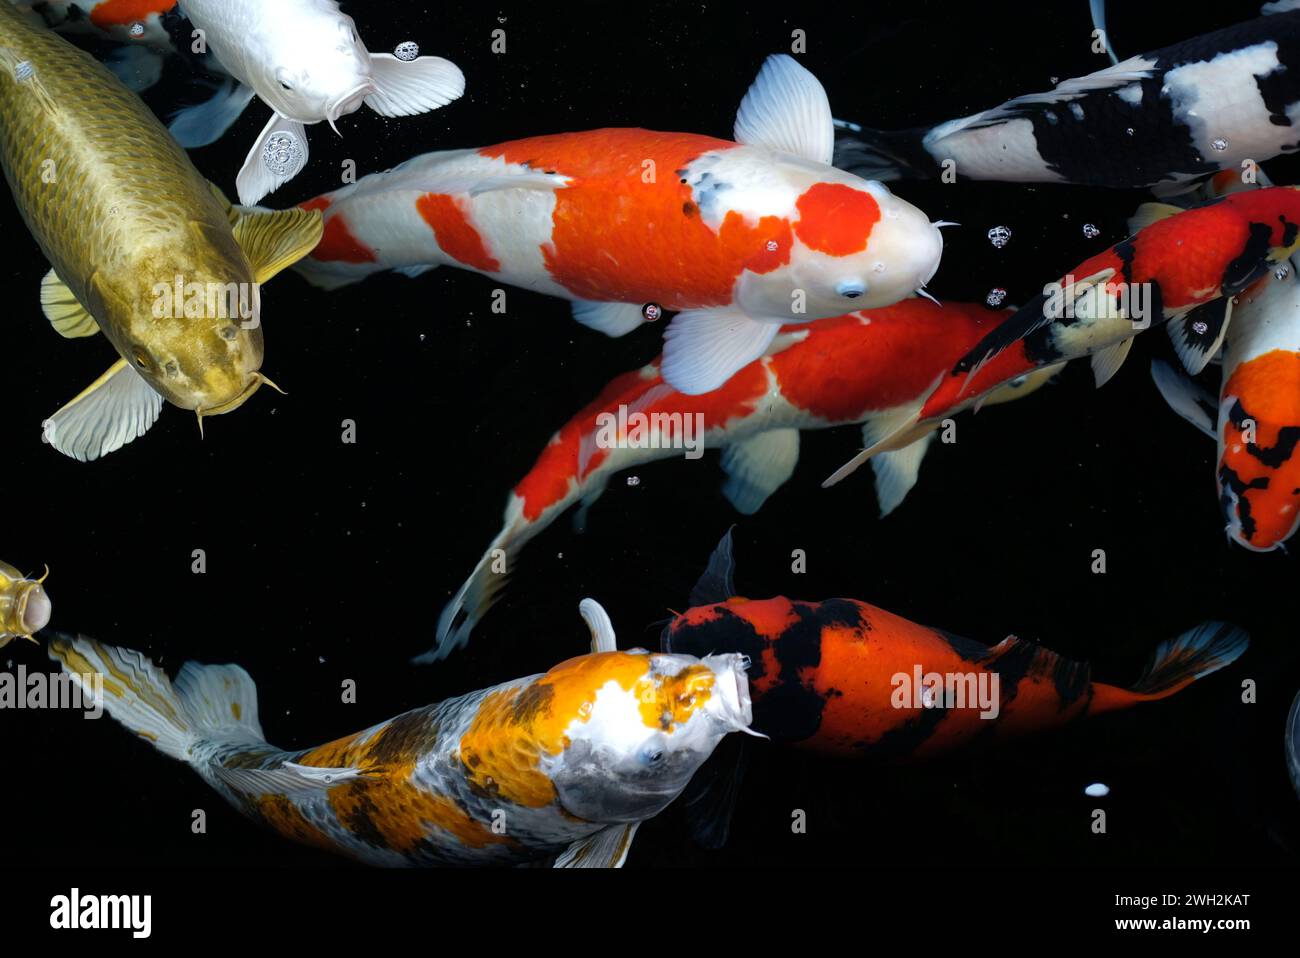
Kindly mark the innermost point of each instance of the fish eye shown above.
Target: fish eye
(285, 85)
(851, 288)
(653, 756)
(142, 360)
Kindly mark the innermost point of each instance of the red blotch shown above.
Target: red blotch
(114, 13)
(844, 369)
(337, 244)
(836, 219)
(617, 237)
(456, 235)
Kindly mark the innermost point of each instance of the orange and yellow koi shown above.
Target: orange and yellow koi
(24, 605)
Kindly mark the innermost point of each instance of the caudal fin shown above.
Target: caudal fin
(206, 702)
(478, 593)
(1178, 662)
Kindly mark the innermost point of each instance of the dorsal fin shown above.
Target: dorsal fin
(716, 584)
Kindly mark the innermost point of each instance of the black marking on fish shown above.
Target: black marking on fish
(902, 741)
(1288, 437)
(1253, 261)
(1231, 482)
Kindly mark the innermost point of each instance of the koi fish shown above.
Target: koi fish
(306, 61)
(1256, 417)
(567, 763)
(1180, 267)
(124, 219)
(859, 368)
(841, 677)
(1165, 120)
(24, 605)
(739, 237)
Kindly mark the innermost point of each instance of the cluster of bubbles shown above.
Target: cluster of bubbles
(283, 154)
(997, 295)
(1090, 231)
(999, 236)
(407, 50)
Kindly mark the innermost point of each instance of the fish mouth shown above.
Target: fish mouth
(733, 689)
(348, 103)
(254, 383)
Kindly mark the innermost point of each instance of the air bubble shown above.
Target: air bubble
(1282, 272)
(407, 50)
(24, 71)
(772, 246)
(996, 296)
(1097, 790)
(1220, 144)
(634, 480)
(999, 236)
(136, 30)
(1090, 231)
(651, 312)
(1200, 327)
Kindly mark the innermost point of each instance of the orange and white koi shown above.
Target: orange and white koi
(1180, 267)
(865, 367)
(24, 605)
(563, 765)
(739, 237)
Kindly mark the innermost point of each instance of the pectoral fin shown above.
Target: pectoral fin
(255, 178)
(69, 318)
(612, 319)
(897, 471)
(607, 848)
(703, 348)
(405, 88)
(758, 466)
(1187, 397)
(206, 122)
(1198, 335)
(116, 408)
(273, 241)
(602, 629)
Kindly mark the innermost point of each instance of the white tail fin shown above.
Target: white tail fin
(208, 702)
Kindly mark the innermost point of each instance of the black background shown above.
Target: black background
(329, 561)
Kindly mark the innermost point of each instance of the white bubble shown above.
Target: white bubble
(1090, 231)
(996, 296)
(283, 153)
(1282, 272)
(1200, 327)
(634, 480)
(24, 71)
(1097, 790)
(136, 30)
(1220, 144)
(407, 50)
(999, 236)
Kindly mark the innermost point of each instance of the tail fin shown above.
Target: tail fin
(1194, 654)
(468, 606)
(207, 701)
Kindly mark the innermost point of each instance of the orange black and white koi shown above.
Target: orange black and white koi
(1181, 267)
(563, 765)
(24, 605)
(1256, 417)
(864, 367)
(739, 237)
(841, 677)
(1165, 120)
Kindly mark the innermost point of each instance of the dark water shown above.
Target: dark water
(328, 561)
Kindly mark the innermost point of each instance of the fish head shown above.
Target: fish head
(638, 726)
(323, 74)
(855, 246)
(196, 337)
(26, 605)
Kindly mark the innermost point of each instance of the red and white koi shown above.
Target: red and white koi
(867, 367)
(739, 237)
(1181, 267)
(561, 766)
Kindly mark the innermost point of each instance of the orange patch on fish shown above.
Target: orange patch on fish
(456, 235)
(627, 229)
(514, 727)
(286, 818)
(113, 13)
(836, 219)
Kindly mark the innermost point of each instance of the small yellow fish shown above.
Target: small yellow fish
(24, 605)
